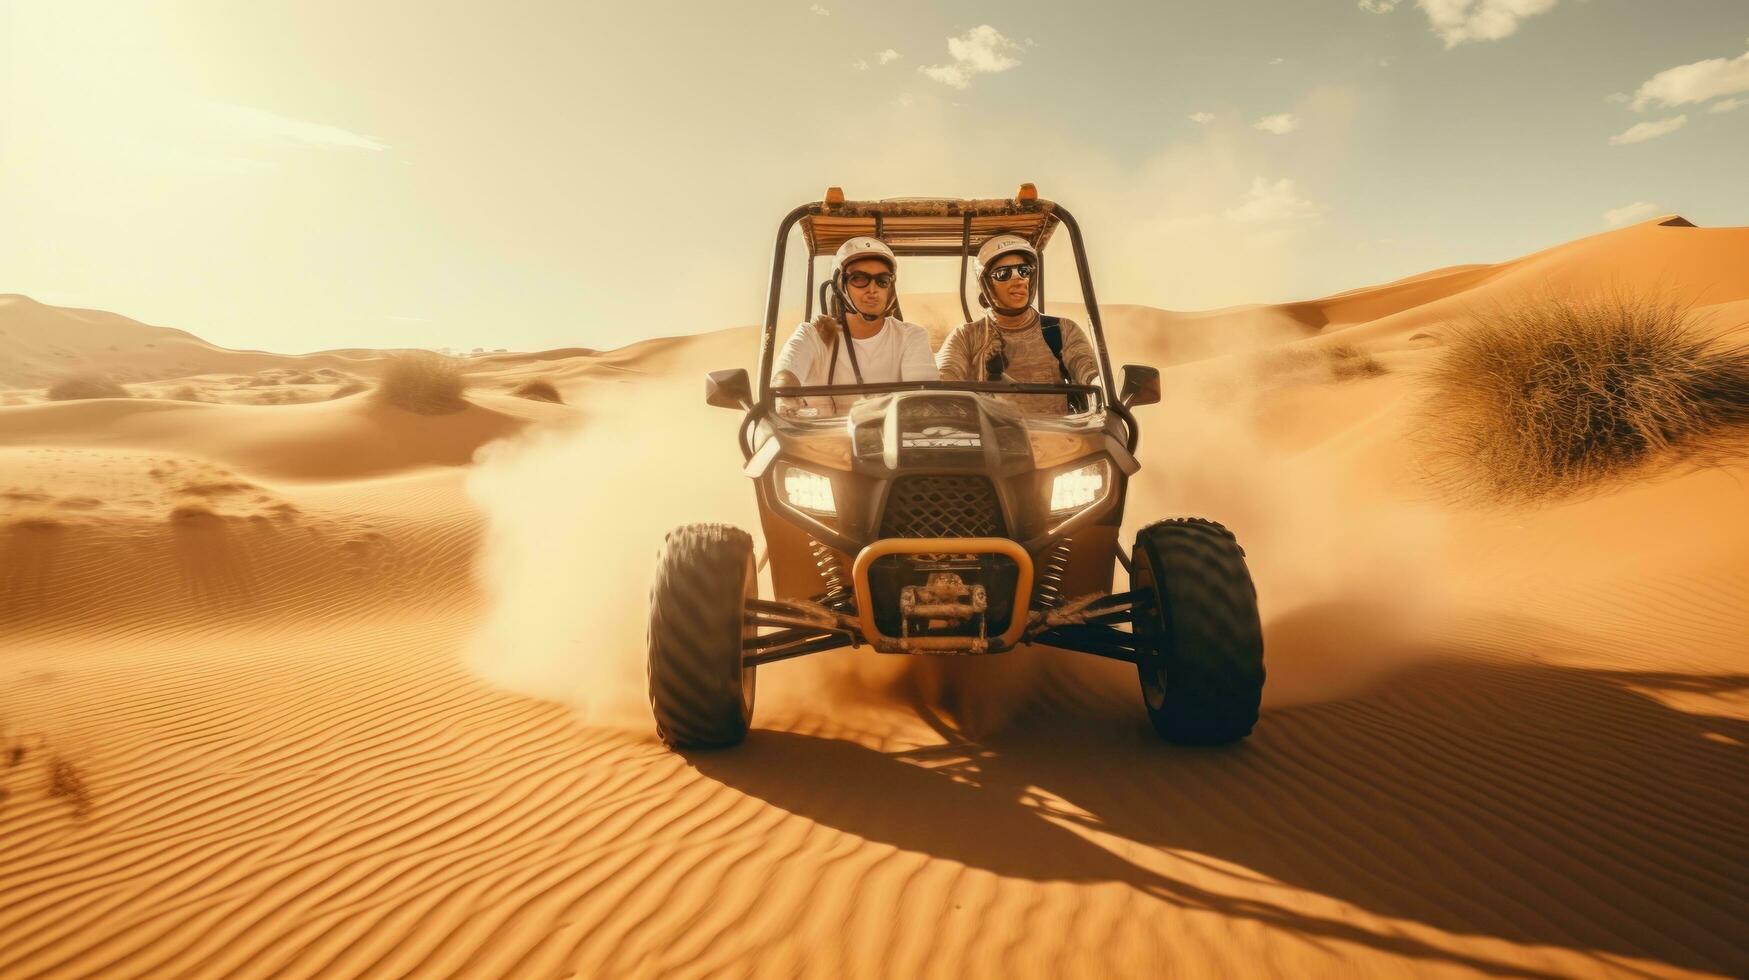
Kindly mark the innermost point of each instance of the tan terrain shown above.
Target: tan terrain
(298, 684)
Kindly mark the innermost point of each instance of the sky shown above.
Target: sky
(298, 176)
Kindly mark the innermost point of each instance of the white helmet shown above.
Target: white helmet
(994, 248)
(1000, 245)
(864, 247)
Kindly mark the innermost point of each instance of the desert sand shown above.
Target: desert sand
(299, 684)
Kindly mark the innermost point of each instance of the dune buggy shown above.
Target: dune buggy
(936, 519)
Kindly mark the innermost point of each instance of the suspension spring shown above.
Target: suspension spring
(831, 569)
(1050, 575)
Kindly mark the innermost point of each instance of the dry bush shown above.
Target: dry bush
(423, 382)
(1348, 362)
(78, 386)
(1551, 397)
(540, 389)
(187, 393)
(192, 514)
(1304, 364)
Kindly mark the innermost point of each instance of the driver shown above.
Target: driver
(882, 348)
(1013, 342)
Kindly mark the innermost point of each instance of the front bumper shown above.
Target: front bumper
(926, 640)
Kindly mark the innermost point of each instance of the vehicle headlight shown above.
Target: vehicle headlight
(807, 491)
(1078, 488)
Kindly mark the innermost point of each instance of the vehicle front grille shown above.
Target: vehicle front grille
(942, 507)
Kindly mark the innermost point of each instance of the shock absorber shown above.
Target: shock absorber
(831, 569)
(1049, 591)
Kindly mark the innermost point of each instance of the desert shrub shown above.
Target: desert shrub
(192, 513)
(1303, 364)
(423, 382)
(540, 389)
(1552, 396)
(78, 386)
(1348, 362)
(187, 393)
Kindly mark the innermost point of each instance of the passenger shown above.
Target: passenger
(882, 347)
(1013, 342)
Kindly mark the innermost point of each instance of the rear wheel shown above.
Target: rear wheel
(1200, 643)
(701, 690)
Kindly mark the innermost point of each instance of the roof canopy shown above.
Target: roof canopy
(926, 226)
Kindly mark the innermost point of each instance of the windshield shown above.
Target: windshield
(934, 288)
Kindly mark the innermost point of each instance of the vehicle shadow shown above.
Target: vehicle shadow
(1537, 804)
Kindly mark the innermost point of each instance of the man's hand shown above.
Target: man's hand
(787, 407)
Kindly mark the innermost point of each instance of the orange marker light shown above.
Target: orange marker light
(1027, 192)
(834, 195)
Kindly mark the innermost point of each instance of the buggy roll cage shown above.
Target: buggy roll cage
(931, 227)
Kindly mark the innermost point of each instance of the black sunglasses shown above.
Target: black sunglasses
(1003, 273)
(862, 279)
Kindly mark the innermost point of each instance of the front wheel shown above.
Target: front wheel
(1199, 643)
(701, 690)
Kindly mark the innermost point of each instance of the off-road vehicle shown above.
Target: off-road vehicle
(935, 518)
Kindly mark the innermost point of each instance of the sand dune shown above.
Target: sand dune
(249, 724)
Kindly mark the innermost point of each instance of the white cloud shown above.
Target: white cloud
(889, 55)
(1271, 202)
(1276, 61)
(859, 64)
(953, 75)
(817, 9)
(259, 124)
(1695, 82)
(982, 50)
(1726, 105)
(1202, 117)
(1379, 6)
(1629, 213)
(1280, 124)
(1458, 21)
(1649, 130)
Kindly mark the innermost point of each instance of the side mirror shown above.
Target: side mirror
(1141, 386)
(728, 388)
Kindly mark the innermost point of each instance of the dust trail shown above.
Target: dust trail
(1348, 566)
(574, 521)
